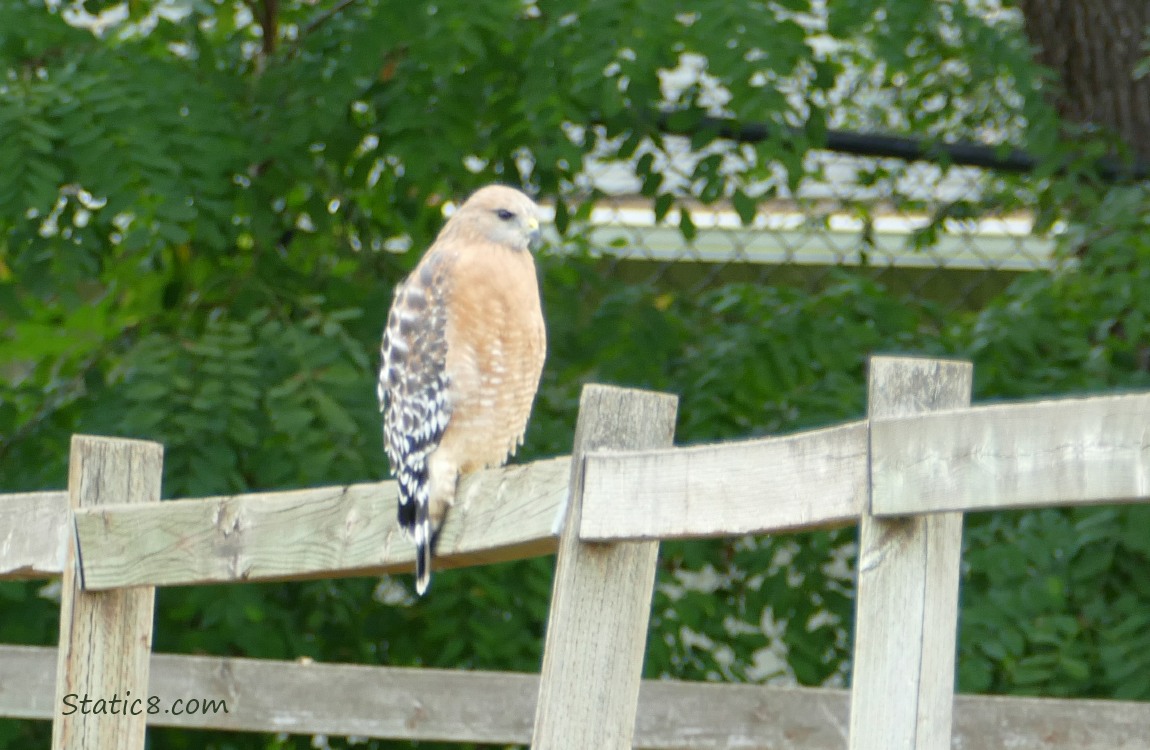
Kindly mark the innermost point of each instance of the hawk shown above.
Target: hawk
(461, 357)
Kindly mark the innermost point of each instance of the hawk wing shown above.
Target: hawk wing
(413, 386)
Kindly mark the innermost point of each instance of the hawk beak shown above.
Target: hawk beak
(534, 234)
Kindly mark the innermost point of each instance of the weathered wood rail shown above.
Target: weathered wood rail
(498, 708)
(905, 475)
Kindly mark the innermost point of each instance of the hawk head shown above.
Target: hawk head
(502, 215)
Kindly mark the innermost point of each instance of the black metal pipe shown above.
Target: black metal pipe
(962, 153)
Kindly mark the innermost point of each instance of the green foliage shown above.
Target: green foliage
(1084, 328)
(202, 216)
(1056, 604)
(1054, 601)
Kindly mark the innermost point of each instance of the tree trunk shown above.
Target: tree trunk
(1093, 47)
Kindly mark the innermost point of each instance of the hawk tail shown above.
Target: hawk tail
(423, 544)
(414, 517)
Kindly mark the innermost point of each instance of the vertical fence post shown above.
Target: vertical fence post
(906, 614)
(105, 636)
(601, 598)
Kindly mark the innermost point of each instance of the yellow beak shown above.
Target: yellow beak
(534, 235)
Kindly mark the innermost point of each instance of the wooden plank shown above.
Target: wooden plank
(105, 637)
(601, 598)
(497, 708)
(302, 697)
(810, 480)
(1065, 452)
(500, 514)
(906, 609)
(34, 534)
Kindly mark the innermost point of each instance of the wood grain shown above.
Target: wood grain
(500, 514)
(1046, 453)
(601, 597)
(810, 480)
(105, 637)
(906, 608)
(34, 534)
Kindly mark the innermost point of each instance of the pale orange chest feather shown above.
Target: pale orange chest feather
(496, 344)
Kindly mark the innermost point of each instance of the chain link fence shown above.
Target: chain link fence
(930, 229)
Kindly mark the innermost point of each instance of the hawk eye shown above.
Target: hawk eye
(504, 214)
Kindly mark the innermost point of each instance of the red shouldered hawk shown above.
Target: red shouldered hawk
(461, 358)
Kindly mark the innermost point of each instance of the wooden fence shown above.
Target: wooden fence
(905, 475)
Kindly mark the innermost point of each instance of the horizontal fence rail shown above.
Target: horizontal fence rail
(497, 708)
(34, 534)
(810, 480)
(1058, 452)
(1067, 452)
(499, 515)
(1005, 456)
